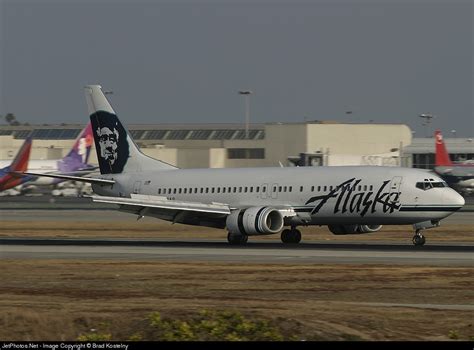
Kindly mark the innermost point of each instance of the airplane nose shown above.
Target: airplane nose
(455, 199)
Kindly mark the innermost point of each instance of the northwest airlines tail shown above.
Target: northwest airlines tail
(116, 150)
(441, 156)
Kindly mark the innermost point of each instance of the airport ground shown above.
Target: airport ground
(70, 272)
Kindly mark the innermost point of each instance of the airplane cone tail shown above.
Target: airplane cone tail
(441, 156)
(116, 151)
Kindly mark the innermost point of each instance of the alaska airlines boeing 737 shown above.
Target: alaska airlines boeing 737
(261, 201)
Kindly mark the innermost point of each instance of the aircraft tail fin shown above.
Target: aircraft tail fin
(20, 162)
(78, 157)
(8, 179)
(116, 150)
(83, 144)
(441, 155)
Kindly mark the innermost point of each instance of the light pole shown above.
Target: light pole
(246, 94)
(427, 117)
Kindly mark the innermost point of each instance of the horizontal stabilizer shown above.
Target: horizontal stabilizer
(71, 178)
(163, 203)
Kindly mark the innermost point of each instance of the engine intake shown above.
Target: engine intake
(255, 221)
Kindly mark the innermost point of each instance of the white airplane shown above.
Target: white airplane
(261, 201)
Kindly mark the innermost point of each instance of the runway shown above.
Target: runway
(98, 215)
(261, 252)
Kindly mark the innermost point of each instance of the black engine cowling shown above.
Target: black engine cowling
(255, 221)
(353, 229)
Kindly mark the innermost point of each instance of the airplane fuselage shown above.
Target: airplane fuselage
(324, 195)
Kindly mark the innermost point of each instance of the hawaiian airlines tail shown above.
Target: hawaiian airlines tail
(442, 156)
(8, 179)
(77, 158)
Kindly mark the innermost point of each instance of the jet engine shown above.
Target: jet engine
(353, 229)
(369, 228)
(255, 221)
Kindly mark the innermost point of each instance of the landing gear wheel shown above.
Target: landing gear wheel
(237, 239)
(418, 239)
(291, 236)
(285, 236)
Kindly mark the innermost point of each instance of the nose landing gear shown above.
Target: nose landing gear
(418, 238)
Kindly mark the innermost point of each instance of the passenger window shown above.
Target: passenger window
(240, 189)
(312, 188)
(301, 188)
(279, 188)
(223, 189)
(257, 189)
(291, 188)
(264, 189)
(245, 189)
(274, 189)
(319, 188)
(284, 189)
(251, 189)
(207, 189)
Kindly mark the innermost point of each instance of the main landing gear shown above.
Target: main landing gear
(237, 238)
(418, 238)
(291, 236)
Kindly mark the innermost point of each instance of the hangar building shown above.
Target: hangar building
(229, 145)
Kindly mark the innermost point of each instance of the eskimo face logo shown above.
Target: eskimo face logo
(439, 139)
(108, 142)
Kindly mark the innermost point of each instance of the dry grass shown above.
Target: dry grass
(61, 299)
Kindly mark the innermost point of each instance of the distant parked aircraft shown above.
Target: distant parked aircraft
(8, 179)
(74, 163)
(260, 201)
(458, 175)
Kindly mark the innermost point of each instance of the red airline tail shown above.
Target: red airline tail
(20, 163)
(442, 156)
(8, 176)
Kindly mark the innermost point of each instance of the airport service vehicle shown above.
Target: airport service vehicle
(460, 176)
(260, 201)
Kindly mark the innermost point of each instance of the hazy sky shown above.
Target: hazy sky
(184, 61)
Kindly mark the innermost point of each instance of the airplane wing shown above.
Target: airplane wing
(68, 177)
(176, 211)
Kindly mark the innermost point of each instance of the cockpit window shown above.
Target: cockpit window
(429, 184)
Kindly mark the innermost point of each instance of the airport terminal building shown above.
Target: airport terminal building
(271, 144)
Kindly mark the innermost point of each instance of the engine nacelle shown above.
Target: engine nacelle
(369, 228)
(343, 229)
(255, 221)
(353, 229)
